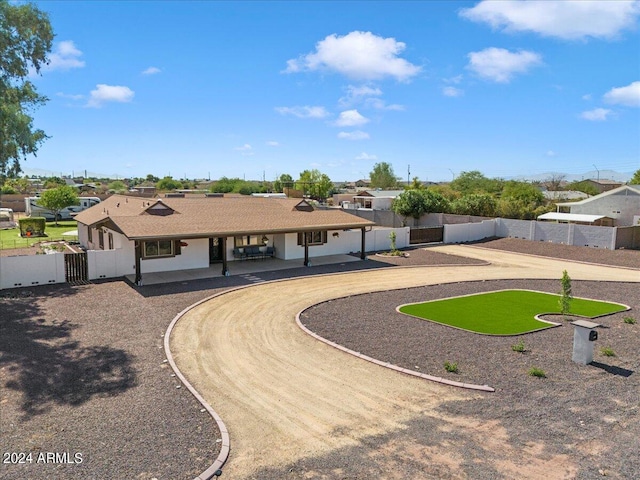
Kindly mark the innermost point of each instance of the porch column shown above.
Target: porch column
(307, 263)
(362, 246)
(225, 269)
(138, 255)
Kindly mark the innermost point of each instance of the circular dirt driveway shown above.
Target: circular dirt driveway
(287, 398)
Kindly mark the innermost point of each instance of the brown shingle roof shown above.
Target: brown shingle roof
(197, 217)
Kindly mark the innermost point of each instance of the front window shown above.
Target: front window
(246, 240)
(313, 238)
(158, 248)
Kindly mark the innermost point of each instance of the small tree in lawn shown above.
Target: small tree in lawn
(565, 294)
(57, 199)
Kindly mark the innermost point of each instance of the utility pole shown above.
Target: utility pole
(408, 174)
(598, 172)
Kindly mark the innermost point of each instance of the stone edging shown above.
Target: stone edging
(214, 468)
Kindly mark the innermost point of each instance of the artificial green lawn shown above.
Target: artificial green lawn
(506, 312)
(11, 238)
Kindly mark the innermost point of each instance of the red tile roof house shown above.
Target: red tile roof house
(158, 235)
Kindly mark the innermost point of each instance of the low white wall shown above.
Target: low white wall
(564, 233)
(110, 263)
(469, 232)
(28, 270)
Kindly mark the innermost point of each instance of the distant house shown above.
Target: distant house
(168, 234)
(603, 185)
(145, 189)
(621, 204)
(376, 199)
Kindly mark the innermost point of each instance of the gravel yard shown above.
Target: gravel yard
(82, 371)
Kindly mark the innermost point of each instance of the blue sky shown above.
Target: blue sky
(246, 89)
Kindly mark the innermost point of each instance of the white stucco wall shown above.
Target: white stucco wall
(195, 255)
(349, 241)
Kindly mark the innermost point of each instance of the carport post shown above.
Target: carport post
(138, 254)
(225, 268)
(362, 246)
(307, 263)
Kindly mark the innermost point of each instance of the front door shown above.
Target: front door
(215, 250)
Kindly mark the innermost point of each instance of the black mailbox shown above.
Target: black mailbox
(593, 336)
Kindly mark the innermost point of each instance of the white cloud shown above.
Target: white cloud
(551, 153)
(357, 135)
(151, 71)
(69, 96)
(245, 149)
(366, 156)
(358, 94)
(359, 55)
(562, 19)
(350, 118)
(109, 93)
(65, 56)
(596, 115)
(380, 104)
(455, 80)
(303, 111)
(273, 143)
(501, 65)
(452, 92)
(587, 97)
(629, 95)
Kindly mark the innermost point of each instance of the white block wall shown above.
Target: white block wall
(469, 232)
(29, 270)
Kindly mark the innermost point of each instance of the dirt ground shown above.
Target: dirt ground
(297, 408)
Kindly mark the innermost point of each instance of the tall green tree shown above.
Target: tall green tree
(315, 184)
(25, 41)
(168, 183)
(284, 181)
(635, 180)
(382, 176)
(475, 182)
(57, 199)
(415, 203)
(479, 204)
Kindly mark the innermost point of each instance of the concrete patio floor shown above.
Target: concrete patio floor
(236, 268)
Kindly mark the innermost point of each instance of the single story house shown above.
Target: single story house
(621, 204)
(376, 199)
(156, 235)
(603, 185)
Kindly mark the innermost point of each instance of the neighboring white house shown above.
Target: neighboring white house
(156, 235)
(375, 199)
(621, 204)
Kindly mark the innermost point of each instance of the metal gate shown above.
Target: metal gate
(426, 235)
(75, 268)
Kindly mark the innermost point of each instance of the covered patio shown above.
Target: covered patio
(249, 268)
